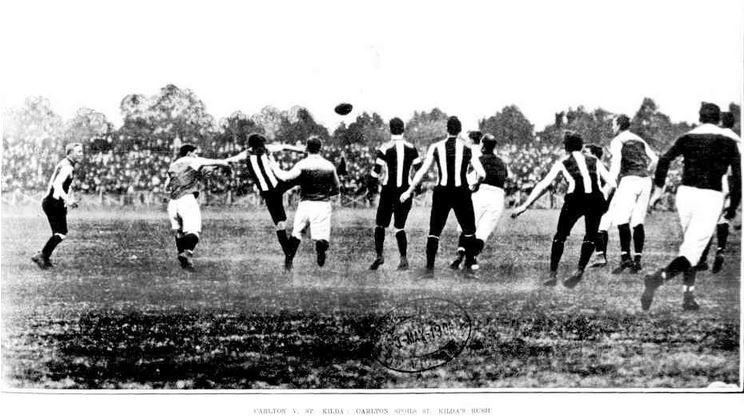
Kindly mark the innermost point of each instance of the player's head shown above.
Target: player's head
(256, 142)
(621, 123)
(594, 150)
(397, 126)
(74, 151)
(728, 119)
(313, 145)
(454, 126)
(709, 113)
(475, 136)
(572, 141)
(186, 150)
(488, 144)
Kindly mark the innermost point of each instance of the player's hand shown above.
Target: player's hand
(474, 187)
(518, 211)
(655, 198)
(405, 196)
(730, 213)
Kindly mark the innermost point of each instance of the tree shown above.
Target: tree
(35, 124)
(365, 130)
(594, 127)
(88, 127)
(234, 131)
(424, 128)
(180, 114)
(509, 126)
(298, 125)
(269, 119)
(653, 126)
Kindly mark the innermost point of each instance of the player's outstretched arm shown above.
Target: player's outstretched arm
(240, 157)
(539, 189)
(419, 176)
(202, 162)
(610, 182)
(279, 147)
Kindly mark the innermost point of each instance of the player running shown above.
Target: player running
(58, 199)
(453, 157)
(583, 198)
(262, 169)
(396, 158)
(184, 176)
(707, 154)
(318, 183)
(601, 241)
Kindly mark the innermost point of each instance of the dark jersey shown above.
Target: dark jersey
(707, 154)
(317, 178)
(398, 157)
(631, 154)
(496, 170)
(452, 157)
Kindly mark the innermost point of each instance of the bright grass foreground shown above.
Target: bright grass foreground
(118, 312)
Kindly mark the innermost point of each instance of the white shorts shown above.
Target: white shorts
(488, 205)
(629, 204)
(699, 211)
(184, 214)
(318, 215)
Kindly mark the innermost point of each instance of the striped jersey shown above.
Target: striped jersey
(397, 157)
(185, 176)
(316, 176)
(634, 153)
(261, 170)
(708, 152)
(581, 172)
(452, 157)
(64, 168)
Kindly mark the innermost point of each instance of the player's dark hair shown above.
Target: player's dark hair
(454, 126)
(488, 143)
(397, 126)
(572, 141)
(313, 145)
(186, 149)
(623, 121)
(595, 150)
(709, 113)
(728, 119)
(475, 136)
(256, 141)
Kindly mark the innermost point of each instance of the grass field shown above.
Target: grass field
(118, 312)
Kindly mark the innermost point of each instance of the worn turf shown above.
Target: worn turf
(118, 312)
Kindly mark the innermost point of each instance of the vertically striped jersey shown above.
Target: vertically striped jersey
(397, 157)
(452, 157)
(64, 168)
(581, 172)
(261, 170)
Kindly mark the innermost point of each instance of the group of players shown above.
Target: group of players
(470, 182)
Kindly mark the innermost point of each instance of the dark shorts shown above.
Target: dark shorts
(457, 199)
(273, 201)
(390, 206)
(591, 207)
(56, 214)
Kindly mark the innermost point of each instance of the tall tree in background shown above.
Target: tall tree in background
(35, 124)
(594, 127)
(179, 115)
(509, 126)
(89, 127)
(269, 119)
(367, 129)
(654, 126)
(298, 125)
(234, 130)
(424, 128)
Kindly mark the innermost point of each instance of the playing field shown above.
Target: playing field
(118, 312)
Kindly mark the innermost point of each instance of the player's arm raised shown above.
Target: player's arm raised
(539, 189)
(419, 176)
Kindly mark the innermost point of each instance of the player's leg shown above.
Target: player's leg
(601, 240)
(320, 229)
(463, 209)
(624, 206)
(382, 221)
(593, 211)
(722, 232)
(57, 216)
(177, 230)
(570, 213)
(441, 205)
(400, 215)
(638, 215)
(302, 218)
(488, 214)
(274, 204)
(462, 239)
(191, 217)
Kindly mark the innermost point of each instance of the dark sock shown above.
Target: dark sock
(689, 277)
(469, 243)
(557, 248)
(462, 241)
(638, 239)
(677, 266)
(50, 245)
(322, 246)
(624, 237)
(379, 240)
(292, 245)
(179, 245)
(588, 247)
(189, 241)
(479, 247)
(432, 245)
(601, 242)
(402, 242)
(722, 233)
(282, 238)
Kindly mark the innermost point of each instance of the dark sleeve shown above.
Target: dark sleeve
(735, 182)
(416, 161)
(664, 163)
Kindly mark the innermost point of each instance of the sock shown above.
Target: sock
(292, 245)
(689, 279)
(586, 252)
(677, 266)
(402, 242)
(638, 238)
(462, 242)
(179, 245)
(479, 247)
(624, 237)
(379, 240)
(432, 244)
(50, 245)
(557, 248)
(322, 246)
(189, 241)
(282, 238)
(469, 243)
(601, 242)
(722, 233)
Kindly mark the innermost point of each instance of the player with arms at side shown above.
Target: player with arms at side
(184, 176)
(57, 201)
(262, 169)
(395, 158)
(707, 155)
(583, 198)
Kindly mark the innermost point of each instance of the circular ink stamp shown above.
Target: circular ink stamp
(422, 334)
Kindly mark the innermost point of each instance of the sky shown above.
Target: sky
(469, 58)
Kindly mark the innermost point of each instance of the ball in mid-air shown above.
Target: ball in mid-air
(343, 108)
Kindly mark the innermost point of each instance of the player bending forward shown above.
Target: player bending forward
(318, 183)
(583, 198)
(56, 202)
(184, 176)
(707, 154)
(397, 158)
